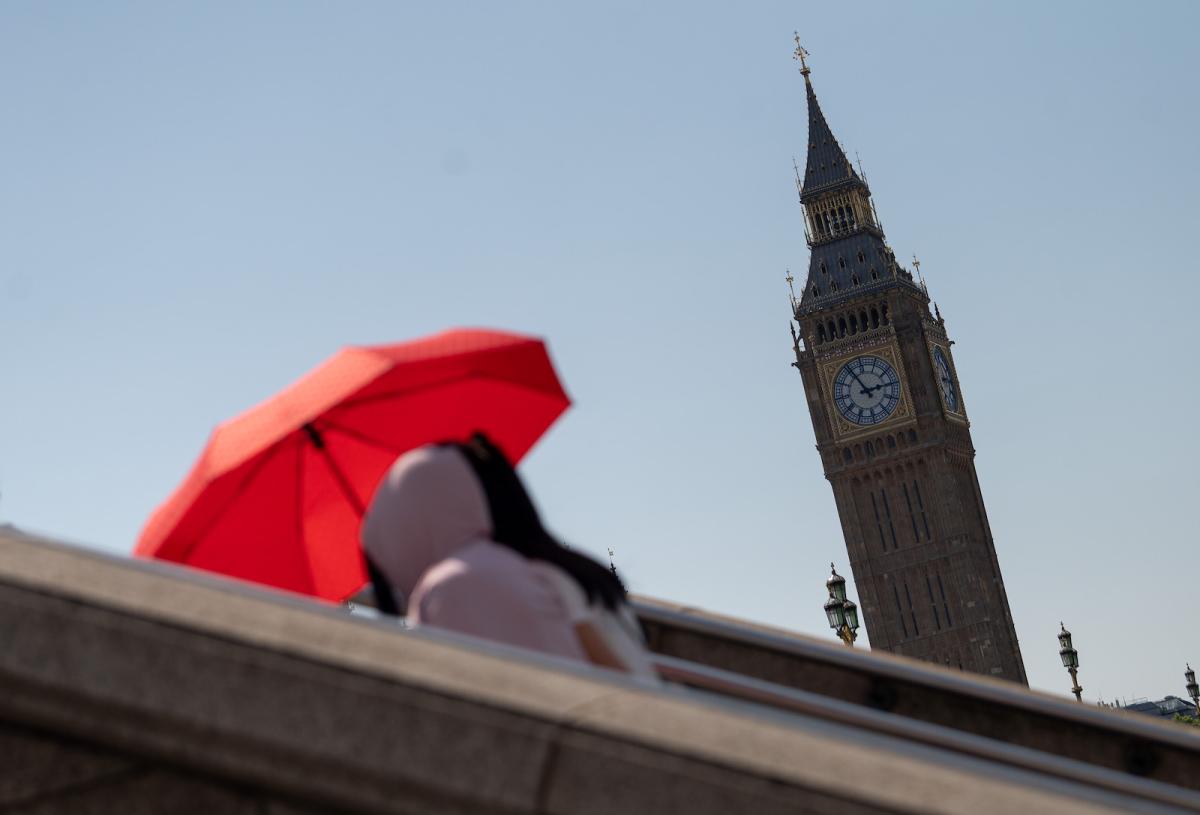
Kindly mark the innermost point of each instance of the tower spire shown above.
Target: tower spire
(826, 164)
(849, 252)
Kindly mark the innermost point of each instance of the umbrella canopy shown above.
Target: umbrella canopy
(278, 493)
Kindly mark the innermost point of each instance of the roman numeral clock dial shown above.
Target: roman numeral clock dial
(866, 390)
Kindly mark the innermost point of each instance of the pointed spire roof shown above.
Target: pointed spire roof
(826, 164)
(851, 258)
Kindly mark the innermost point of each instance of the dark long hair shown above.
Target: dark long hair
(516, 524)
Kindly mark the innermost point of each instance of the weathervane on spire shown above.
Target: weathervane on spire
(800, 54)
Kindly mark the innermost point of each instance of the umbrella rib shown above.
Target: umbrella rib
(360, 436)
(237, 493)
(312, 578)
(383, 592)
(343, 483)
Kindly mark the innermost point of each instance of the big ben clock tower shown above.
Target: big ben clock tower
(892, 431)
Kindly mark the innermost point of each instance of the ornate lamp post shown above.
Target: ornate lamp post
(841, 611)
(1070, 660)
(1192, 687)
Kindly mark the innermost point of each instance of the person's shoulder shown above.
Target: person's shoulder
(478, 570)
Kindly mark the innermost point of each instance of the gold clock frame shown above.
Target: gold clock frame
(843, 428)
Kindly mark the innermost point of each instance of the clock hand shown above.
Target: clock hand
(859, 381)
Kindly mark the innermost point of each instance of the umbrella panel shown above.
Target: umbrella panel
(292, 519)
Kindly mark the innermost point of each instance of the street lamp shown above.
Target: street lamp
(1193, 688)
(1070, 659)
(841, 611)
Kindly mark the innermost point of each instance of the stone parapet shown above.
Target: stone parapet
(128, 686)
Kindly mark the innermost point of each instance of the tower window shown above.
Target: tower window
(847, 456)
(823, 269)
(945, 605)
(912, 436)
(841, 263)
(874, 313)
(820, 329)
(874, 274)
(912, 517)
(899, 611)
(854, 279)
(891, 442)
(816, 292)
(921, 507)
(912, 611)
(937, 618)
(861, 257)
(887, 513)
(879, 526)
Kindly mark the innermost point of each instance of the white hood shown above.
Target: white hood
(429, 505)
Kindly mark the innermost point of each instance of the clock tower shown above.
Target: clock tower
(892, 430)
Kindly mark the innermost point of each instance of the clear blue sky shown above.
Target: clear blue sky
(199, 202)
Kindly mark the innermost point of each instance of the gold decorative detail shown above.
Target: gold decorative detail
(800, 54)
(844, 429)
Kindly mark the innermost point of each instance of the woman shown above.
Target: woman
(452, 530)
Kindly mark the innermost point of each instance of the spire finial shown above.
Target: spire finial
(800, 54)
(790, 280)
(799, 180)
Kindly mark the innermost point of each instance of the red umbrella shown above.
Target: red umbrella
(278, 493)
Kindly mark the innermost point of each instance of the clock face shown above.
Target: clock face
(941, 369)
(866, 390)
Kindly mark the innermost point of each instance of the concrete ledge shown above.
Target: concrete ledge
(189, 693)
